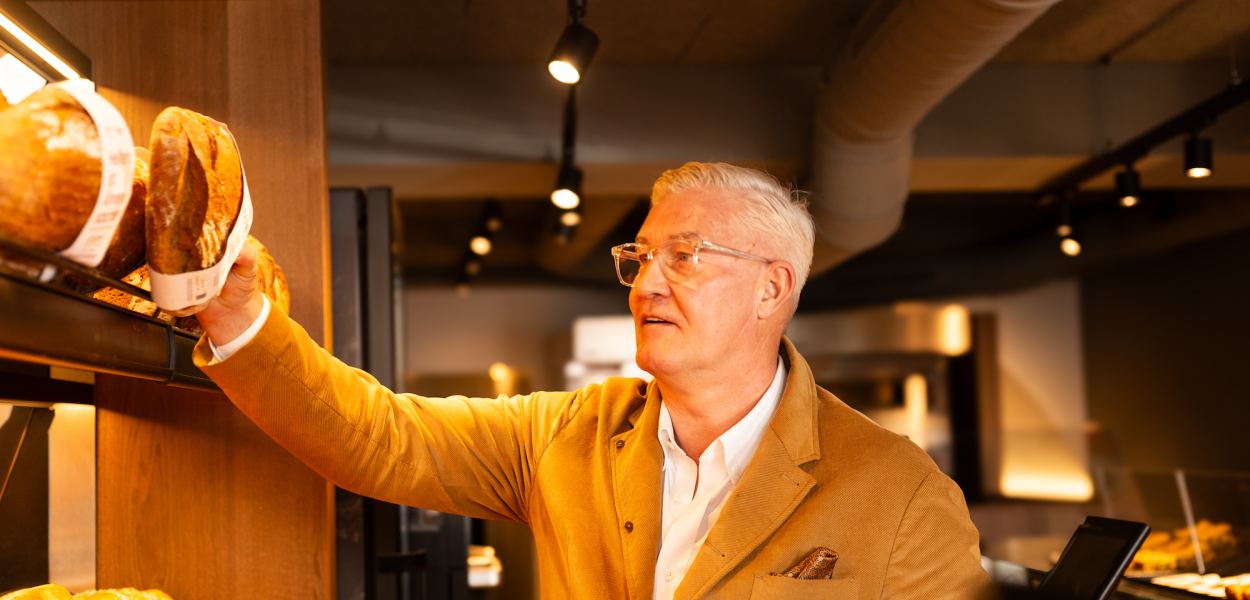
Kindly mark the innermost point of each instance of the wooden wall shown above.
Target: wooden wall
(193, 498)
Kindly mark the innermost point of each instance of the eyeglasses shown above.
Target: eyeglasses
(679, 259)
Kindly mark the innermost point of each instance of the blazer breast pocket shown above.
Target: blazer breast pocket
(767, 587)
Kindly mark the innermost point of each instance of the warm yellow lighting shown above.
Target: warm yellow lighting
(1128, 201)
(954, 329)
(500, 372)
(564, 72)
(565, 198)
(472, 268)
(570, 219)
(1072, 487)
(462, 290)
(1198, 172)
(30, 42)
(1070, 246)
(916, 407)
(480, 245)
(17, 81)
(1063, 230)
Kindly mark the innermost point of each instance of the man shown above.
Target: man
(728, 470)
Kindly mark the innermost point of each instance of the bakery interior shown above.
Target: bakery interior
(1033, 261)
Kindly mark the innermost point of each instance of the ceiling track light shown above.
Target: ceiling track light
(492, 217)
(1071, 245)
(1198, 157)
(1128, 187)
(567, 194)
(1064, 228)
(576, 46)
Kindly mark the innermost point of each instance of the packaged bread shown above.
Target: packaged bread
(61, 144)
(196, 201)
(126, 250)
(269, 277)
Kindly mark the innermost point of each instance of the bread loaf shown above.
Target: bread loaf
(194, 194)
(49, 169)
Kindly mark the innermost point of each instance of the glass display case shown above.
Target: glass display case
(1200, 527)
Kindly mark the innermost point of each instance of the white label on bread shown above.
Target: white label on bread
(181, 291)
(117, 168)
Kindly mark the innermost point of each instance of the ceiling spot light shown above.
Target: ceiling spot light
(480, 245)
(1064, 229)
(567, 194)
(472, 268)
(570, 218)
(1071, 245)
(1128, 187)
(492, 218)
(576, 46)
(1198, 157)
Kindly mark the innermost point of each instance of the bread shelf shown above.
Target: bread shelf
(45, 322)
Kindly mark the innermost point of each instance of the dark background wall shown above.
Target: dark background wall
(1167, 357)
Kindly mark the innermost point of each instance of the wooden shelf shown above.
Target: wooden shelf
(43, 324)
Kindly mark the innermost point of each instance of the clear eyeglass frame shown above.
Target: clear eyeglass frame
(679, 258)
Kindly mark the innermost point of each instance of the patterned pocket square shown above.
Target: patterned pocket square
(817, 565)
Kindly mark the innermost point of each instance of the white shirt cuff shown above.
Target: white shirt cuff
(225, 350)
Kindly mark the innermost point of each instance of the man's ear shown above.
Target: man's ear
(777, 290)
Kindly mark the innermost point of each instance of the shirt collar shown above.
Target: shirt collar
(740, 441)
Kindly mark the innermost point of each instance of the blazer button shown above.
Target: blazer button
(620, 444)
(629, 526)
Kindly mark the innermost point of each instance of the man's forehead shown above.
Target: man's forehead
(681, 235)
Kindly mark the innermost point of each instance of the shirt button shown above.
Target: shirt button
(629, 526)
(620, 444)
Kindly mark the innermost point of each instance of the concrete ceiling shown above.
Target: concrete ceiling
(448, 102)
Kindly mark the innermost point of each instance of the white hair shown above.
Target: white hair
(770, 207)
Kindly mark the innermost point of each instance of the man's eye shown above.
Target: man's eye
(683, 257)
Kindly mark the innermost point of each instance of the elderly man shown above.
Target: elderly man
(731, 475)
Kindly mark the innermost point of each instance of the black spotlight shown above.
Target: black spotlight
(1198, 157)
(568, 192)
(1128, 187)
(575, 48)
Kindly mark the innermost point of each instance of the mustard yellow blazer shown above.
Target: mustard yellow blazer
(583, 469)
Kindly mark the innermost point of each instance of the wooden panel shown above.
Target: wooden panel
(197, 501)
(192, 497)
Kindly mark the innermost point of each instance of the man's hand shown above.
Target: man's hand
(232, 311)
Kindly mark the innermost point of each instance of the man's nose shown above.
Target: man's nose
(651, 280)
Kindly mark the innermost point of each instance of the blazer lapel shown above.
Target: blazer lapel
(637, 470)
(770, 489)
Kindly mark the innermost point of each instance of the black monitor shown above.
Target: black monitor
(1094, 559)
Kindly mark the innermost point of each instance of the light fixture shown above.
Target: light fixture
(1128, 187)
(1064, 228)
(472, 267)
(568, 192)
(1071, 245)
(1198, 157)
(492, 217)
(570, 218)
(575, 48)
(480, 245)
(33, 53)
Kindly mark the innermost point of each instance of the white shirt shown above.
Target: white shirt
(224, 351)
(694, 494)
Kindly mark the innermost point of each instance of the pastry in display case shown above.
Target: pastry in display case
(1201, 524)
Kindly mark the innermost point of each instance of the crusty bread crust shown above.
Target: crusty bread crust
(194, 194)
(49, 169)
(126, 250)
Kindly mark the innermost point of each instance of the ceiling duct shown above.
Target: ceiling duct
(902, 60)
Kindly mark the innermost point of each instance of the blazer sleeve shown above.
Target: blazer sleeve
(936, 550)
(471, 456)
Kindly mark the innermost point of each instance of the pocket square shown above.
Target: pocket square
(817, 565)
